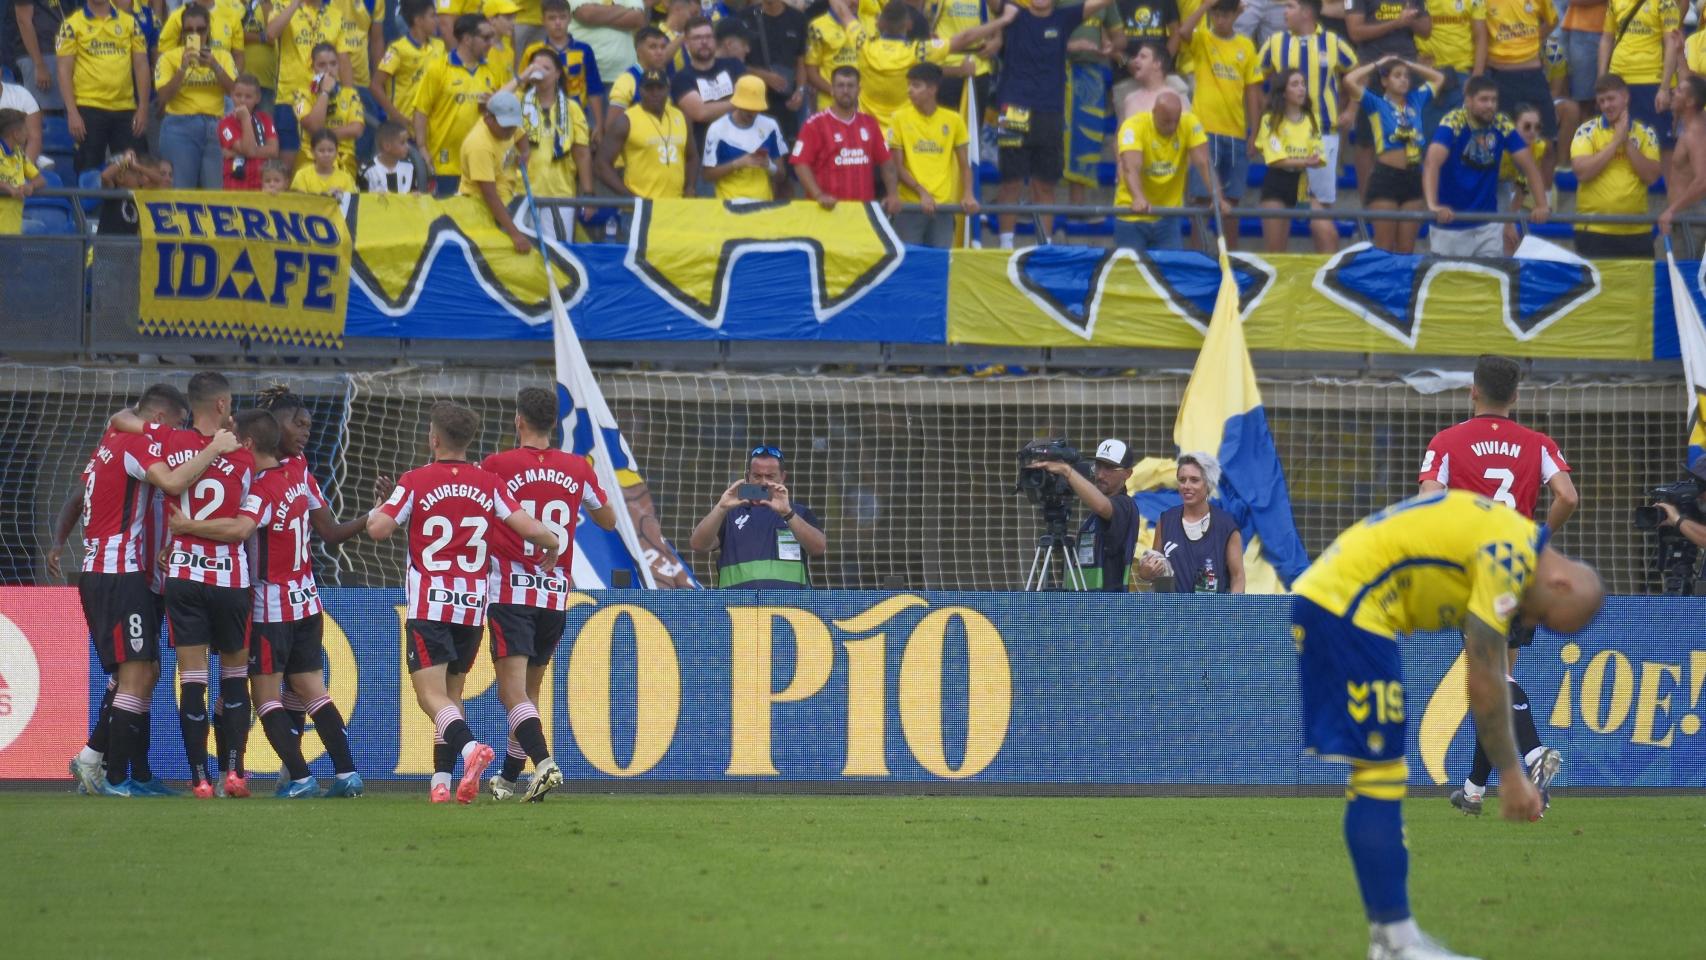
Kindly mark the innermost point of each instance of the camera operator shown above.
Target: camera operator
(1108, 538)
(1692, 530)
(764, 540)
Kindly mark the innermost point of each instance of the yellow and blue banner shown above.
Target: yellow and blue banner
(923, 689)
(11, 216)
(1360, 300)
(1691, 345)
(235, 265)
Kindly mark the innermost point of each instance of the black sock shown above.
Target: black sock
(276, 723)
(443, 758)
(1482, 768)
(234, 698)
(1522, 721)
(329, 724)
(139, 768)
(121, 737)
(219, 737)
(531, 735)
(98, 734)
(192, 721)
(512, 767)
(456, 736)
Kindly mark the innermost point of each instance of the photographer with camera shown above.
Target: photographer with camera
(1694, 531)
(1108, 537)
(765, 537)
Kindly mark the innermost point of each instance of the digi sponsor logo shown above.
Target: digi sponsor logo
(196, 561)
(302, 595)
(533, 581)
(456, 598)
(20, 682)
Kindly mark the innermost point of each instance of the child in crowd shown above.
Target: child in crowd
(392, 169)
(18, 176)
(275, 177)
(325, 176)
(1522, 192)
(246, 136)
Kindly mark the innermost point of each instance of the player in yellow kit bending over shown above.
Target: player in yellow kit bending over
(1443, 560)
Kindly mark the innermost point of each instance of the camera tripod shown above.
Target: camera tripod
(1056, 540)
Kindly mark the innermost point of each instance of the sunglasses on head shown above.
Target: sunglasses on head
(765, 452)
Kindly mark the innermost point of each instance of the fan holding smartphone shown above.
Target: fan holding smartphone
(764, 537)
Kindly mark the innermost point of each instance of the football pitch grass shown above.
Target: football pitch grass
(637, 876)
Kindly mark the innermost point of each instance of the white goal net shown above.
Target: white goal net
(913, 475)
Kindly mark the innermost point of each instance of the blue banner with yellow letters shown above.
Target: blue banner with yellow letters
(937, 688)
(234, 265)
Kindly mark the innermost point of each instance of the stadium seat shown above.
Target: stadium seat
(90, 180)
(55, 213)
(56, 134)
(63, 163)
(1103, 227)
(1552, 231)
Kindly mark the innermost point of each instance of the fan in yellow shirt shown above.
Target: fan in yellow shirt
(324, 176)
(827, 46)
(449, 97)
(330, 105)
(1615, 158)
(297, 29)
(1155, 150)
(492, 155)
(405, 61)
(1514, 29)
(195, 82)
(653, 142)
(225, 28)
(559, 164)
(886, 55)
(1228, 71)
(929, 143)
(103, 62)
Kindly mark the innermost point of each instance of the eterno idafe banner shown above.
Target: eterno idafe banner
(929, 689)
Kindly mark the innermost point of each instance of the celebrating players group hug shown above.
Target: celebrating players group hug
(207, 527)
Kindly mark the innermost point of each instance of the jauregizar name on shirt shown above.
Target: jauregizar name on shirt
(449, 490)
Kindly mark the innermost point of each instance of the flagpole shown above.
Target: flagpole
(601, 462)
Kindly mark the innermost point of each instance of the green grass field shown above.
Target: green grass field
(795, 876)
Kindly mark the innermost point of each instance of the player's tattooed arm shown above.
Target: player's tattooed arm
(1489, 692)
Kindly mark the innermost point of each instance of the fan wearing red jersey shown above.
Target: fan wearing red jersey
(114, 589)
(1502, 460)
(450, 507)
(526, 615)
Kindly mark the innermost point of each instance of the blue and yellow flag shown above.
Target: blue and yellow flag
(1222, 413)
(11, 216)
(1691, 343)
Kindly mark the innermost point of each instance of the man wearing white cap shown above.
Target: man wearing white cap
(490, 156)
(1108, 537)
(744, 152)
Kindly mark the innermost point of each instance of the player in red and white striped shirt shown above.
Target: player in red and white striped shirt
(305, 694)
(207, 594)
(1500, 459)
(122, 618)
(450, 507)
(526, 615)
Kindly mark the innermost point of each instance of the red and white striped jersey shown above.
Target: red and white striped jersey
(155, 534)
(1495, 457)
(450, 508)
(551, 485)
(116, 498)
(218, 494)
(283, 577)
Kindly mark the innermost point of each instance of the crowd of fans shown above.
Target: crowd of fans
(1443, 106)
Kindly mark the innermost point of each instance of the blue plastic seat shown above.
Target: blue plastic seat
(57, 212)
(56, 135)
(90, 180)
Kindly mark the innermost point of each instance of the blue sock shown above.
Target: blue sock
(1374, 832)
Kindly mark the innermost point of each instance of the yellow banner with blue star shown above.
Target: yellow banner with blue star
(243, 266)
